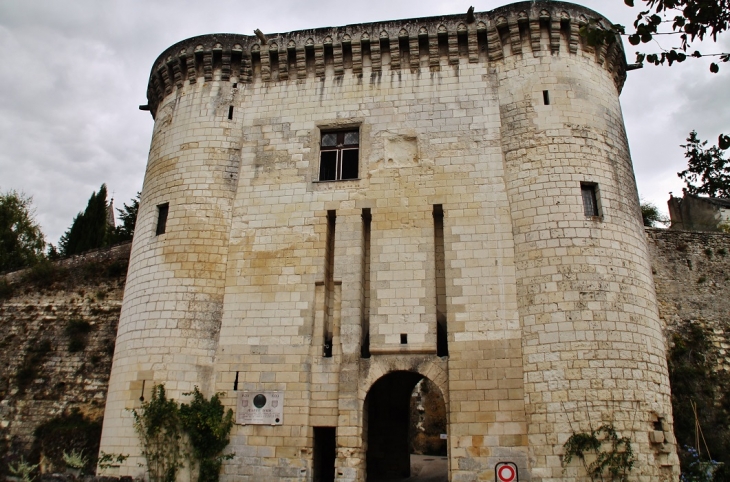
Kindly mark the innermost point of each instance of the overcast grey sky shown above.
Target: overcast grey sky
(73, 73)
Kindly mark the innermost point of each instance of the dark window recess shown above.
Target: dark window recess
(365, 314)
(546, 97)
(590, 200)
(235, 383)
(327, 349)
(230, 112)
(404, 338)
(339, 155)
(162, 211)
(442, 335)
(324, 454)
(329, 284)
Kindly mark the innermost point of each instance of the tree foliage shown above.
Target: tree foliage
(613, 456)
(128, 216)
(161, 424)
(708, 171)
(208, 425)
(89, 229)
(157, 424)
(691, 20)
(651, 215)
(21, 238)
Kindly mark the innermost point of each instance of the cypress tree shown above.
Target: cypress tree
(89, 229)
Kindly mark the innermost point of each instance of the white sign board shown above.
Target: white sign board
(260, 408)
(506, 472)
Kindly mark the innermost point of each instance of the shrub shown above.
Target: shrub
(68, 432)
(44, 274)
(28, 371)
(208, 426)
(23, 470)
(157, 424)
(76, 330)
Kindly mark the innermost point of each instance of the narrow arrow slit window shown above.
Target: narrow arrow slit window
(339, 155)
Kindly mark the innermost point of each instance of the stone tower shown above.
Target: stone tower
(332, 215)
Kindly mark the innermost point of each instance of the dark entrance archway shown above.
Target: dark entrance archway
(388, 423)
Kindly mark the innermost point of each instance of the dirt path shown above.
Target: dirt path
(425, 468)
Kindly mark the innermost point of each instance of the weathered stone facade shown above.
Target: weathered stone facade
(40, 377)
(698, 213)
(692, 277)
(493, 216)
(690, 271)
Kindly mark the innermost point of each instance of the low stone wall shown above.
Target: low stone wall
(57, 334)
(692, 278)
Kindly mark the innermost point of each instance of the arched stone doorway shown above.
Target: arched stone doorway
(388, 425)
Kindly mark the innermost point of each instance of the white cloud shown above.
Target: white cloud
(73, 74)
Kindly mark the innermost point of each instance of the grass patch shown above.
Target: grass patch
(45, 274)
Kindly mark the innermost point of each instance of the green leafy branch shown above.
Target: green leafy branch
(613, 456)
(161, 424)
(108, 461)
(157, 424)
(692, 20)
(208, 426)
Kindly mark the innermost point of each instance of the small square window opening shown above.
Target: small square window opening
(162, 211)
(590, 200)
(339, 155)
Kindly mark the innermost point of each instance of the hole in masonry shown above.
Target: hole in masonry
(230, 112)
(403, 338)
(546, 97)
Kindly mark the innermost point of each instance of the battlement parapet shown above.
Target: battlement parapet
(536, 27)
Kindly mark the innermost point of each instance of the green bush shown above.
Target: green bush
(28, 371)
(157, 424)
(117, 268)
(77, 330)
(44, 274)
(208, 426)
(69, 432)
(160, 424)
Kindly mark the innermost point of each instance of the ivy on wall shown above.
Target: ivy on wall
(165, 428)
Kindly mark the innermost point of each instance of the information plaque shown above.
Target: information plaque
(260, 408)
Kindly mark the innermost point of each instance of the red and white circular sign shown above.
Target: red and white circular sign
(506, 473)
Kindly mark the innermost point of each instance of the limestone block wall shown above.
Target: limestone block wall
(691, 274)
(40, 377)
(586, 301)
(173, 299)
(464, 225)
